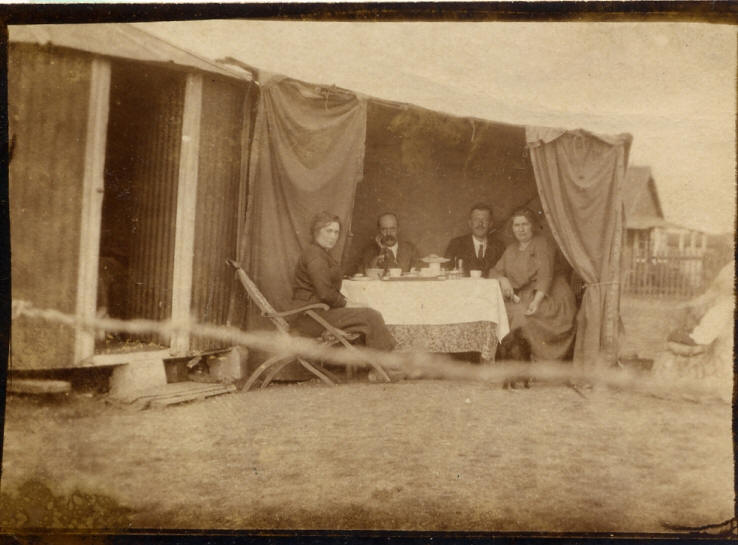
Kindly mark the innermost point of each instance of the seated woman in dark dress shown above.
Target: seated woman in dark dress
(318, 280)
(538, 299)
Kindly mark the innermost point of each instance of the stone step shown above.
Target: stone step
(38, 386)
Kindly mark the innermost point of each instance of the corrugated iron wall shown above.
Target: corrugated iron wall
(145, 135)
(48, 92)
(216, 219)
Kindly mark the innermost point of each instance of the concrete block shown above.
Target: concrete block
(136, 376)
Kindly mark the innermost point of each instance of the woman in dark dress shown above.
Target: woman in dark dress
(318, 280)
(538, 299)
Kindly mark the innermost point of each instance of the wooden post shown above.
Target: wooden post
(184, 240)
(634, 267)
(664, 276)
(93, 185)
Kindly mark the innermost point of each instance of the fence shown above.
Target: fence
(669, 275)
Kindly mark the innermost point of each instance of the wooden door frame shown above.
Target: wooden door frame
(93, 186)
(184, 239)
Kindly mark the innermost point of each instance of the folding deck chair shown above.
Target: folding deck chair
(331, 335)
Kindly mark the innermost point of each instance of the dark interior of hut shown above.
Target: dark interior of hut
(140, 198)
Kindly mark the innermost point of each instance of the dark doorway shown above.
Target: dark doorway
(140, 201)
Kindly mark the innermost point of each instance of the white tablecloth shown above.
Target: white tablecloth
(432, 302)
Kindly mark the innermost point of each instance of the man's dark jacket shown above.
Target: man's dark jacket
(463, 248)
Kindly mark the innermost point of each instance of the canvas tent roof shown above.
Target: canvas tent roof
(119, 40)
(639, 186)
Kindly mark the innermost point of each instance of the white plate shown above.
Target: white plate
(435, 259)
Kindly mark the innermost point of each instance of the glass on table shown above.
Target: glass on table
(455, 272)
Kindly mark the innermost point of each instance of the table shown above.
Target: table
(459, 315)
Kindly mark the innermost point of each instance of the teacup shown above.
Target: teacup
(474, 273)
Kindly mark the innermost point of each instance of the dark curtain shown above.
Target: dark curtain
(580, 182)
(307, 156)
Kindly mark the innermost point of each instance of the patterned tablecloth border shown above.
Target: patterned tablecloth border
(448, 338)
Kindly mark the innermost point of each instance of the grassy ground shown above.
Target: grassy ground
(421, 455)
(430, 455)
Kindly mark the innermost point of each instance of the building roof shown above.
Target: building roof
(639, 186)
(116, 40)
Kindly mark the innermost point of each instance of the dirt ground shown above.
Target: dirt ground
(647, 321)
(416, 455)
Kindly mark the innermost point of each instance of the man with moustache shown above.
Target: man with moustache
(387, 251)
(477, 250)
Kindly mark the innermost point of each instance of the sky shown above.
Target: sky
(671, 85)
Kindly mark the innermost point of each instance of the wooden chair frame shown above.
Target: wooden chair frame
(276, 363)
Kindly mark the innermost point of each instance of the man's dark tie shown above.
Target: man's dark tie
(388, 259)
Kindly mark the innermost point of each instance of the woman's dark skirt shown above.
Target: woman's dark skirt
(366, 321)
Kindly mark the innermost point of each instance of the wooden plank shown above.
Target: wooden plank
(634, 278)
(673, 267)
(638, 264)
(192, 396)
(170, 394)
(646, 268)
(164, 391)
(634, 284)
(175, 388)
(92, 197)
(38, 386)
(675, 264)
(186, 209)
(125, 357)
(656, 275)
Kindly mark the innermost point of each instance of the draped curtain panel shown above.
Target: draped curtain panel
(307, 156)
(580, 179)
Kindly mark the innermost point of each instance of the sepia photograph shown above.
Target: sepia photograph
(395, 275)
